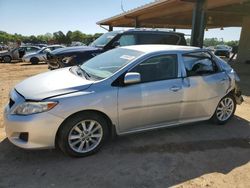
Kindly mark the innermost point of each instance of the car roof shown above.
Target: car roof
(29, 47)
(146, 30)
(156, 48)
(53, 45)
(151, 31)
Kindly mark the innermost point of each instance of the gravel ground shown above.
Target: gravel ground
(195, 155)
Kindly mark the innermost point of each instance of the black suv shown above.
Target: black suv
(77, 55)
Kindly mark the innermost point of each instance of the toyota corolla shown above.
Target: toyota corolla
(125, 90)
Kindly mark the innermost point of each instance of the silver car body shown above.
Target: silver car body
(14, 53)
(133, 108)
(41, 54)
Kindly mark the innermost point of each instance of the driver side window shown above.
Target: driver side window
(158, 68)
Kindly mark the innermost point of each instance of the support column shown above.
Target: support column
(244, 44)
(110, 28)
(137, 24)
(198, 23)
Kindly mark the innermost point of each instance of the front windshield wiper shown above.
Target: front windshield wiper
(83, 72)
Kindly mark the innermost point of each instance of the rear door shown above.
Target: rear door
(205, 86)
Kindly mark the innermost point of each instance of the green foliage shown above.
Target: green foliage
(77, 36)
(215, 41)
(57, 37)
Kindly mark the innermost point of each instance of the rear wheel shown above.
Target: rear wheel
(7, 59)
(225, 110)
(82, 134)
(34, 60)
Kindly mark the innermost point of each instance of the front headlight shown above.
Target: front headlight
(28, 108)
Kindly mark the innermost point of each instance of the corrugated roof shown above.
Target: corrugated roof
(178, 14)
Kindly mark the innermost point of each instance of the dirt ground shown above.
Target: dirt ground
(195, 155)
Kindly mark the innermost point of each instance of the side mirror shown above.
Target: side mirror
(116, 44)
(132, 78)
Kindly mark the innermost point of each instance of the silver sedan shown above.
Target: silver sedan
(122, 91)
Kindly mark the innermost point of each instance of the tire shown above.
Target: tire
(34, 60)
(223, 114)
(7, 59)
(77, 140)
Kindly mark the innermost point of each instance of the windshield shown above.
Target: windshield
(104, 39)
(106, 64)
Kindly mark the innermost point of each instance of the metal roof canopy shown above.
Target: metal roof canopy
(179, 14)
(191, 14)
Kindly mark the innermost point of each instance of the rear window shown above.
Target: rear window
(159, 39)
(199, 63)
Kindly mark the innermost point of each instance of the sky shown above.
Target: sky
(34, 17)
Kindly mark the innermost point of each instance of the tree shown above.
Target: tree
(77, 36)
(59, 37)
(69, 37)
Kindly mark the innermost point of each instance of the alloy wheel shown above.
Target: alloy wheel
(85, 136)
(225, 109)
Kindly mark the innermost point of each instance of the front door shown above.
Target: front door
(155, 100)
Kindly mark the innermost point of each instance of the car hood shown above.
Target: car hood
(73, 49)
(50, 84)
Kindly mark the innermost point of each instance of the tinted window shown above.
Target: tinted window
(104, 39)
(158, 39)
(127, 40)
(31, 49)
(158, 68)
(199, 64)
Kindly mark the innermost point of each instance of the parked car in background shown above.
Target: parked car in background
(222, 50)
(77, 55)
(41, 45)
(17, 53)
(3, 47)
(77, 43)
(125, 90)
(40, 55)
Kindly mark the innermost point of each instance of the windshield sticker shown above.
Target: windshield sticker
(127, 57)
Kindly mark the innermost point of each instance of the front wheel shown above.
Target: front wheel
(225, 110)
(7, 59)
(82, 134)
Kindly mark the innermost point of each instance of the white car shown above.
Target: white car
(40, 55)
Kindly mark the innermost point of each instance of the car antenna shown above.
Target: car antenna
(122, 6)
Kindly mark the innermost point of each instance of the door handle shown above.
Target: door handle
(175, 88)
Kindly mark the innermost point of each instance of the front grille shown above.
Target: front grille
(11, 103)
